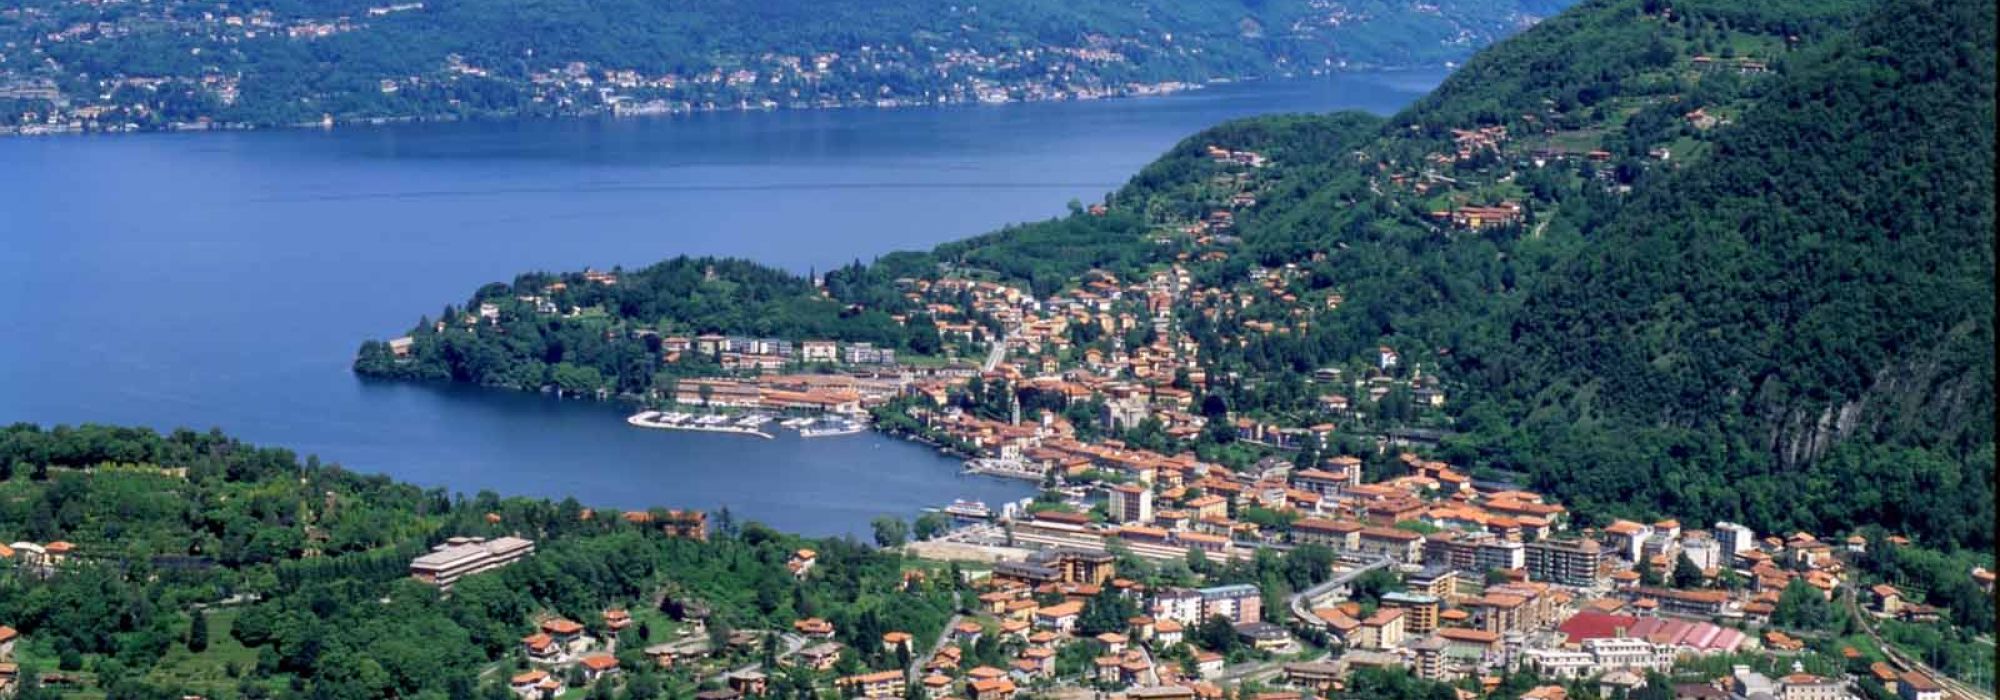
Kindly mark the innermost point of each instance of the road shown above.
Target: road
(998, 353)
(1302, 602)
(1906, 662)
(917, 660)
(793, 643)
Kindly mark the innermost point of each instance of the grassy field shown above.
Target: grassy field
(208, 670)
(663, 628)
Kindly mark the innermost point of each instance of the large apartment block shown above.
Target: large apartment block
(1571, 562)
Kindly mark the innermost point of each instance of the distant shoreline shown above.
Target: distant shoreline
(1144, 91)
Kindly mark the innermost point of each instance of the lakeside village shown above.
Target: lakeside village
(1434, 575)
(1447, 576)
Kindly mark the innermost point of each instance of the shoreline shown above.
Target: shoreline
(612, 113)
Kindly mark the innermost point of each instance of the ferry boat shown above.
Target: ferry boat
(968, 510)
(831, 427)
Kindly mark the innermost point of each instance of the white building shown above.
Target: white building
(816, 351)
(1178, 604)
(1601, 655)
(1735, 539)
(460, 557)
(1703, 550)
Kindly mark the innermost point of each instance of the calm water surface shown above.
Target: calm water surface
(225, 279)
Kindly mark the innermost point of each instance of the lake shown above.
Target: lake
(225, 279)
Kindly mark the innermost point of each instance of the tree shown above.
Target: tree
(1216, 634)
(930, 525)
(1197, 560)
(1105, 612)
(890, 531)
(1686, 574)
(1371, 585)
(197, 636)
(1801, 606)
(1649, 575)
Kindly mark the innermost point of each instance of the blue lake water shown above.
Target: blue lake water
(225, 280)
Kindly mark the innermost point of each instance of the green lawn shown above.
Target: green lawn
(663, 628)
(207, 670)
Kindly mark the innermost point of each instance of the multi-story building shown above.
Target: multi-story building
(1597, 656)
(1538, 608)
(1628, 653)
(1403, 546)
(1061, 565)
(461, 557)
(1324, 483)
(1437, 581)
(1500, 613)
(1238, 603)
(1627, 538)
(1383, 630)
(1735, 539)
(1499, 554)
(1420, 612)
(1178, 604)
(1338, 534)
(1131, 503)
(817, 351)
(880, 684)
(1429, 653)
(1703, 550)
(1452, 550)
(1570, 562)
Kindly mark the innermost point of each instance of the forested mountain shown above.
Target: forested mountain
(1737, 263)
(106, 65)
(1802, 326)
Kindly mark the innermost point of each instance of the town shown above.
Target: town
(1429, 573)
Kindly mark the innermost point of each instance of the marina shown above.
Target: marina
(748, 424)
(674, 420)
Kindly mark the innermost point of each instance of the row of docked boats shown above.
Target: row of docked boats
(749, 424)
(709, 423)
